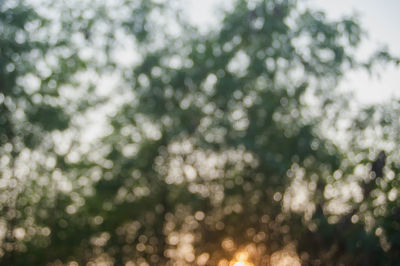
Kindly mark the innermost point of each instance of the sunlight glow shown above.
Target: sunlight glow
(241, 259)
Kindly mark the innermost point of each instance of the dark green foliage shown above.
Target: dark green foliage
(48, 117)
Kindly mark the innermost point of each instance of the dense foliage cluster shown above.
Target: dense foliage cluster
(215, 148)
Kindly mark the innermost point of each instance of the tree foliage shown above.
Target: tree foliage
(217, 152)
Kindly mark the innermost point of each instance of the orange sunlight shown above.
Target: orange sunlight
(241, 259)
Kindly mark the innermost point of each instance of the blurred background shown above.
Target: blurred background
(377, 20)
(165, 132)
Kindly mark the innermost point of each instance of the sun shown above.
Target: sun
(242, 263)
(241, 259)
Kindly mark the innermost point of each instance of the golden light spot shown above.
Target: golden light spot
(223, 262)
(202, 259)
(241, 259)
(242, 256)
(228, 244)
(285, 257)
(19, 233)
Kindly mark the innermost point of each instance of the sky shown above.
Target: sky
(380, 19)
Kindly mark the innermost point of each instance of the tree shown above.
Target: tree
(37, 66)
(218, 154)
